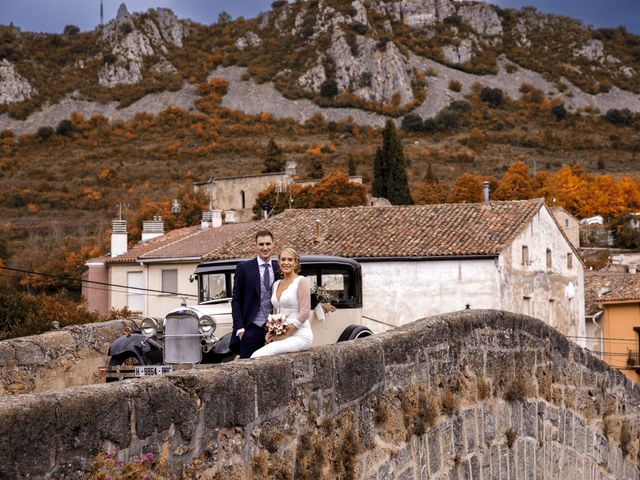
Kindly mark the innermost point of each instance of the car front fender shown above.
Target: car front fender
(134, 343)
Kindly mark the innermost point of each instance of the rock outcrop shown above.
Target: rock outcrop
(373, 74)
(129, 42)
(13, 86)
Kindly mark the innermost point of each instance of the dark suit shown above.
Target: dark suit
(245, 304)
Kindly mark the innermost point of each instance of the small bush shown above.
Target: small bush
(359, 27)
(329, 88)
(449, 403)
(64, 128)
(511, 437)
(620, 117)
(44, 133)
(559, 111)
(517, 390)
(484, 389)
(492, 96)
(71, 30)
(455, 86)
(412, 122)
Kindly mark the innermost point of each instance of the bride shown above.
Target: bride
(291, 297)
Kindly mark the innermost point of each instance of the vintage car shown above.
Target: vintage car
(191, 335)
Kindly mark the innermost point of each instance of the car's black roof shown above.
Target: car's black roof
(214, 265)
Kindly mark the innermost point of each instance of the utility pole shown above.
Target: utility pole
(101, 14)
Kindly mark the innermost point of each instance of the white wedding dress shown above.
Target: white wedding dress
(295, 303)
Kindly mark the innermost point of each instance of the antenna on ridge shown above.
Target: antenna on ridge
(101, 14)
(121, 208)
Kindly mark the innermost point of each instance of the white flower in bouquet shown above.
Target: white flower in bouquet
(276, 324)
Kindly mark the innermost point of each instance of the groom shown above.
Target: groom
(251, 300)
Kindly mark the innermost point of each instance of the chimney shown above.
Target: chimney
(152, 228)
(485, 192)
(118, 237)
(229, 216)
(216, 218)
(207, 216)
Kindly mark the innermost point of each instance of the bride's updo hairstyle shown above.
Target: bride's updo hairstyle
(294, 254)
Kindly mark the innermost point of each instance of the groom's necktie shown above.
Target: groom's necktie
(266, 278)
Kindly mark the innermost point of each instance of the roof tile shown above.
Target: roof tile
(392, 231)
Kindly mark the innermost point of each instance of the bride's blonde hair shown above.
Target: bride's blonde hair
(295, 256)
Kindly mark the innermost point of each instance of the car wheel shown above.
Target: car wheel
(353, 332)
(126, 359)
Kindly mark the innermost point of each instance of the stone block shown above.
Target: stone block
(489, 424)
(458, 440)
(401, 347)
(7, 355)
(273, 377)
(475, 468)
(228, 395)
(471, 429)
(359, 369)
(313, 370)
(162, 403)
(433, 442)
(28, 353)
(529, 419)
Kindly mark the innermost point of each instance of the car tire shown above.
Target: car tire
(127, 358)
(353, 332)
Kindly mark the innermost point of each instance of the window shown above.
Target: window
(170, 281)
(549, 258)
(569, 260)
(525, 255)
(135, 299)
(243, 199)
(566, 222)
(526, 306)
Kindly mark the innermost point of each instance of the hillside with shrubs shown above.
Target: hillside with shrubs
(61, 184)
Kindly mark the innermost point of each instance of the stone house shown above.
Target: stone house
(612, 307)
(239, 193)
(570, 225)
(150, 278)
(429, 259)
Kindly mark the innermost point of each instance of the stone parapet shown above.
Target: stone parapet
(469, 395)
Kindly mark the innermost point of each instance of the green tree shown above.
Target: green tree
(224, 18)
(390, 169)
(273, 161)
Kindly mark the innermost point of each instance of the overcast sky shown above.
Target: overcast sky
(53, 15)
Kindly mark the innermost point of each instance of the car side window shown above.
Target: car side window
(213, 287)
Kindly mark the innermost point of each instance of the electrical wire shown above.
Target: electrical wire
(82, 281)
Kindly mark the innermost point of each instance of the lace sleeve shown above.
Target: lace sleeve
(304, 300)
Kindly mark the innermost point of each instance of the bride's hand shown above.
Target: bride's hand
(268, 338)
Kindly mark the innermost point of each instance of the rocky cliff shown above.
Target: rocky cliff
(365, 55)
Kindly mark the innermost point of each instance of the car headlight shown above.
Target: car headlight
(149, 327)
(207, 325)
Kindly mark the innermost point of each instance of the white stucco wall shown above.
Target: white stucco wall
(556, 294)
(155, 304)
(404, 291)
(398, 292)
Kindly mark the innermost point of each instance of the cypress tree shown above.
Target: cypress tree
(273, 161)
(390, 169)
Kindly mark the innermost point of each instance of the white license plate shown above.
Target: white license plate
(151, 370)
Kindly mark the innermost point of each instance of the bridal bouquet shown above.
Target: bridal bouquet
(276, 324)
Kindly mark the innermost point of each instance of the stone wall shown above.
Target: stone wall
(57, 359)
(478, 394)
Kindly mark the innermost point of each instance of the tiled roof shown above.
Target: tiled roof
(609, 287)
(392, 231)
(188, 242)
